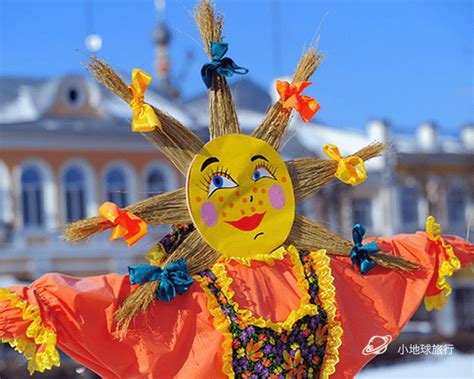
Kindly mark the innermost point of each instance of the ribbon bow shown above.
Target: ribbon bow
(291, 97)
(125, 224)
(223, 66)
(350, 170)
(174, 278)
(144, 117)
(360, 253)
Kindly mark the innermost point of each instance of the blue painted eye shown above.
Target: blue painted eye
(261, 173)
(219, 181)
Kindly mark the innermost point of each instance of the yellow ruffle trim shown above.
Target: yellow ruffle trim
(447, 268)
(327, 296)
(305, 308)
(276, 255)
(40, 346)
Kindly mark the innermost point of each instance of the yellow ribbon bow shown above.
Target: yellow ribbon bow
(144, 117)
(350, 170)
(125, 224)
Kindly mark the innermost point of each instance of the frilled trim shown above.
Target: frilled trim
(327, 296)
(221, 323)
(40, 346)
(276, 255)
(305, 308)
(446, 268)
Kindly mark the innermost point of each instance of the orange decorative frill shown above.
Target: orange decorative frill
(39, 346)
(446, 263)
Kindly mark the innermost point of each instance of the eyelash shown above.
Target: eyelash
(206, 182)
(271, 169)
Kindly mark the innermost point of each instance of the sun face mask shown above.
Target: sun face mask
(240, 196)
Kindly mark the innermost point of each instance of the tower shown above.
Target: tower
(161, 40)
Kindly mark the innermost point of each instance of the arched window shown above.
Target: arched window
(456, 206)
(409, 208)
(74, 194)
(116, 187)
(155, 182)
(32, 197)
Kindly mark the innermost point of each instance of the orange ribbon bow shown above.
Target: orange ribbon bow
(291, 97)
(125, 224)
(144, 117)
(350, 170)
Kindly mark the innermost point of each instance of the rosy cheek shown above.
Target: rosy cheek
(276, 196)
(209, 213)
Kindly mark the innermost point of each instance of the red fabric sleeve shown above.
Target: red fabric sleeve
(175, 339)
(381, 302)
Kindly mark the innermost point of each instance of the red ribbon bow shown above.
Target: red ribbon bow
(291, 97)
(125, 224)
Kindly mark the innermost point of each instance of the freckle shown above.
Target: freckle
(260, 202)
(242, 212)
(283, 179)
(255, 189)
(221, 199)
(231, 205)
(263, 190)
(237, 193)
(198, 199)
(224, 214)
(252, 209)
(244, 200)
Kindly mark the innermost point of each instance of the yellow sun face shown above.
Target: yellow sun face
(240, 196)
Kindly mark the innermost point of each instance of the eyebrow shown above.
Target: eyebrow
(208, 161)
(258, 156)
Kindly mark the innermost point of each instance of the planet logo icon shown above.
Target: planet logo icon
(377, 345)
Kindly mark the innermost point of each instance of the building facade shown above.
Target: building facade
(66, 147)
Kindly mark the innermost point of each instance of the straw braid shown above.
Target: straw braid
(222, 110)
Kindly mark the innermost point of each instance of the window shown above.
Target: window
(456, 206)
(155, 183)
(116, 187)
(362, 212)
(74, 194)
(32, 201)
(409, 206)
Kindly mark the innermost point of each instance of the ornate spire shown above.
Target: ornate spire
(161, 40)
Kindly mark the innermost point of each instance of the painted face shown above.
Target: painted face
(240, 196)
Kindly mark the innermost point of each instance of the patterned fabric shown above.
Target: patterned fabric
(171, 241)
(264, 353)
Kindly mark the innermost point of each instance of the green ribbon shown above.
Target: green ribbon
(223, 66)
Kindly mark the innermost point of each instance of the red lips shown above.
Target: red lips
(248, 223)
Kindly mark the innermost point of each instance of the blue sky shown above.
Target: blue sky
(408, 61)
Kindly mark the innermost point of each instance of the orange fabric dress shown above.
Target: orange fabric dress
(187, 337)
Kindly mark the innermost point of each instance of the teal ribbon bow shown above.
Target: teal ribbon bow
(174, 278)
(360, 253)
(223, 66)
